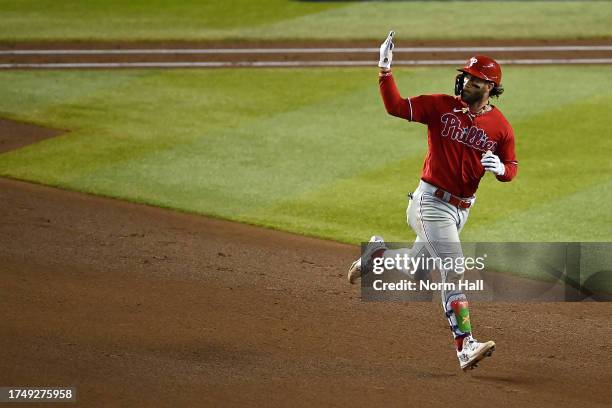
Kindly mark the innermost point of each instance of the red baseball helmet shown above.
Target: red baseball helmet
(483, 67)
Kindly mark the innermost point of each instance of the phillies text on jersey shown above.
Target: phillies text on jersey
(472, 136)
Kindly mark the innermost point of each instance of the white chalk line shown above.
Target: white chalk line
(236, 64)
(549, 48)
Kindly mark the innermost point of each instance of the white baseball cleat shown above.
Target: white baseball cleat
(474, 351)
(355, 272)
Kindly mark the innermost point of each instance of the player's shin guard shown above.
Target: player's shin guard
(458, 315)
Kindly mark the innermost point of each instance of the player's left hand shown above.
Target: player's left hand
(491, 163)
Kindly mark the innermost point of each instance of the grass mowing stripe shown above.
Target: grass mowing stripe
(143, 20)
(576, 216)
(284, 19)
(39, 98)
(440, 20)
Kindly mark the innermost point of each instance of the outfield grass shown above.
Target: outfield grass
(48, 20)
(312, 150)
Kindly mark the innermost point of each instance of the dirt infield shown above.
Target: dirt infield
(14, 135)
(139, 306)
(135, 305)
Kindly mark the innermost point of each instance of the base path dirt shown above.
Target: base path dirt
(139, 306)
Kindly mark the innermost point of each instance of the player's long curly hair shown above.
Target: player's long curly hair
(496, 91)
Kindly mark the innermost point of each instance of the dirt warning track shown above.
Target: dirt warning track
(292, 54)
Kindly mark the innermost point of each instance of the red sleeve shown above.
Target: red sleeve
(394, 103)
(415, 109)
(424, 108)
(508, 156)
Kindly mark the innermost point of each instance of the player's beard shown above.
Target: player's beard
(473, 96)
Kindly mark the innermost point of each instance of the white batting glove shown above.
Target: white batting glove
(491, 163)
(386, 52)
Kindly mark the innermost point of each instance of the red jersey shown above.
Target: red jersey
(456, 139)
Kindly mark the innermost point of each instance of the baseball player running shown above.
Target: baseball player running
(467, 137)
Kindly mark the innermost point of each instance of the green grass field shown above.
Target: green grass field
(312, 150)
(48, 20)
